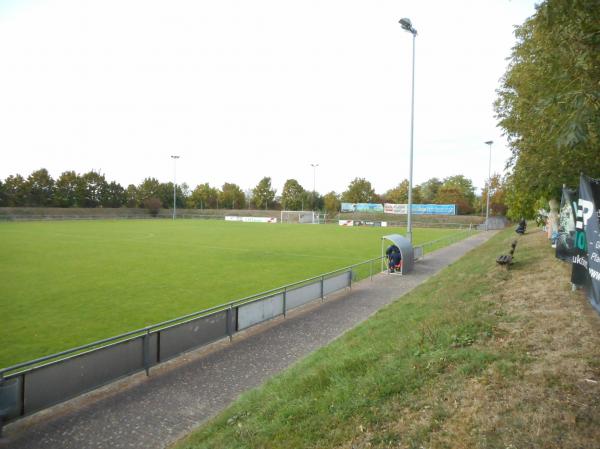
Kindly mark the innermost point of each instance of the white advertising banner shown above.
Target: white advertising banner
(251, 219)
(346, 222)
(399, 209)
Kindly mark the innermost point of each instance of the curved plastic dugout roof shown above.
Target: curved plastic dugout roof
(406, 250)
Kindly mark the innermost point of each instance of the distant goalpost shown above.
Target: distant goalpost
(302, 216)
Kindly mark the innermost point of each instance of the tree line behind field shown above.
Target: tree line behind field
(90, 190)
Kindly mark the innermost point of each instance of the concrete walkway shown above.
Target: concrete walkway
(153, 412)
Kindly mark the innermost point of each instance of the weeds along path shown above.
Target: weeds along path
(154, 412)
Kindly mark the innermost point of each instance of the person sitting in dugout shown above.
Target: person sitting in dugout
(394, 258)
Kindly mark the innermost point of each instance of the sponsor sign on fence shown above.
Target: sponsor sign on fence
(420, 209)
(382, 224)
(361, 207)
(251, 219)
(398, 209)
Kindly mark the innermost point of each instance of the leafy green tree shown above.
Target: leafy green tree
(399, 194)
(429, 190)
(263, 194)
(292, 196)
(165, 194)
(131, 195)
(3, 199)
(453, 195)
(40, 188)
(312, 201)
(114, 195)
(91, 189)
(185, 191)
(457, 190)
(149, 188)
(203, 197)
(548, 102)
(16, 191)
(231, 196)
(359, 191)
(497, 195)
(331, 203)
(66, 188)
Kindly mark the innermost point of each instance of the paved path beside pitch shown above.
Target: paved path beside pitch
(153, 412)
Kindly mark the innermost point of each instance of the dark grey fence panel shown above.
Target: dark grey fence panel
(192, 334)
(418, 252)
(50, 384)
(259, 311)
(28, 387)
(10, 397)
(336, 283)
(302, 295)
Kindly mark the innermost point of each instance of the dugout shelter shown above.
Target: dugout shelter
(406, 251)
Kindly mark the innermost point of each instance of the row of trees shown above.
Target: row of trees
(92, 189)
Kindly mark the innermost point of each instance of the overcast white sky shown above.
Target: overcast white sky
(244, 89)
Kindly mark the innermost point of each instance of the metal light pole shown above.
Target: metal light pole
(174, 157)
(487, 208)
(314, 166)
(406, 25)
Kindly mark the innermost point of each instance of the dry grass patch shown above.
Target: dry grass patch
(543, 391)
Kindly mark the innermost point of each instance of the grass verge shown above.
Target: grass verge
(475, 357)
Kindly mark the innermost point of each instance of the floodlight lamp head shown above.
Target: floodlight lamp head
(406, 24)
(489, 142)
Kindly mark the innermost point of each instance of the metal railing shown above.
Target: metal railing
(31, 386)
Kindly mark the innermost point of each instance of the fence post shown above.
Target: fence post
(146, 349)
(350, 278)
(228, 318)
(322, 288)
(284, 301)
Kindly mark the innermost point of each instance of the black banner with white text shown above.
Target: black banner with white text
(587, 238)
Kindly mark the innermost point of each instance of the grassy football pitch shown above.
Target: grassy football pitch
(69, 283)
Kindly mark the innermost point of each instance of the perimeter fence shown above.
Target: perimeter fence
(28, 387)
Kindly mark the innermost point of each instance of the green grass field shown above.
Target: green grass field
(69, 283)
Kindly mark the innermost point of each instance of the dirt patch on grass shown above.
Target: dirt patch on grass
(543, 390)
